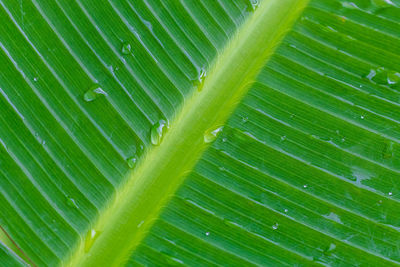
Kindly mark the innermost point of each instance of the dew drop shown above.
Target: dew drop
(126, 48)
(252, 5)
(140, 224)
(93, 93)
(349, 5)
(207, 233)
(393, 78)
(384, 77)
(91, 236)
(324, 138)
(131, 162)
(275, 226)
(328, 250)
(158, 131)
(377, 5)
(71, 202)
(333, 216)
(224, 139)
(329, 29)
(390, 193)
(387, 151)
(229, 223)
(199, 81)
(211, 135)
(371, 74)
(35, 79)
(286, 210)
(348, 38)
(305, 186)
(172, 261)
(245, 119)
(362, 117)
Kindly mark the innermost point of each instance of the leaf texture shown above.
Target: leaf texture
(63, 157)
(305, 172)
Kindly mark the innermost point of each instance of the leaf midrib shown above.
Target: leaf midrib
(139, 201)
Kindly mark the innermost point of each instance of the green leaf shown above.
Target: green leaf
(200, 133)
(9, 258)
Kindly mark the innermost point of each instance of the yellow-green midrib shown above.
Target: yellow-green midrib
(306, 170)
(62, 158)
(123, 225)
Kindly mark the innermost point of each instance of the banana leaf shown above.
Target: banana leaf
(200, 133)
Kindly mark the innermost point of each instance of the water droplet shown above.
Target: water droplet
(328, 250)
(140, 224)
(292, 115)
(377, 5)
(362, 117)
(324, 138)
(371, 74)
(93, 93)
(245, 119)
(275, 226)
(171, 261)
(207, 233)
(131, 162)
(393, 78)
(349, 5)
(71, 202)
(384, 77)
(91, 236)
(35, 79)
(390, 193)
(387, 151)
(286, 210)
(283, 137)
(230, 223)
(333, 216)
(224, 139)
(40, 140)
(305, 186)
(126, 48)
(329, 29)
(211, 135)
(199, 81)
(252, 5)
(158, 131)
